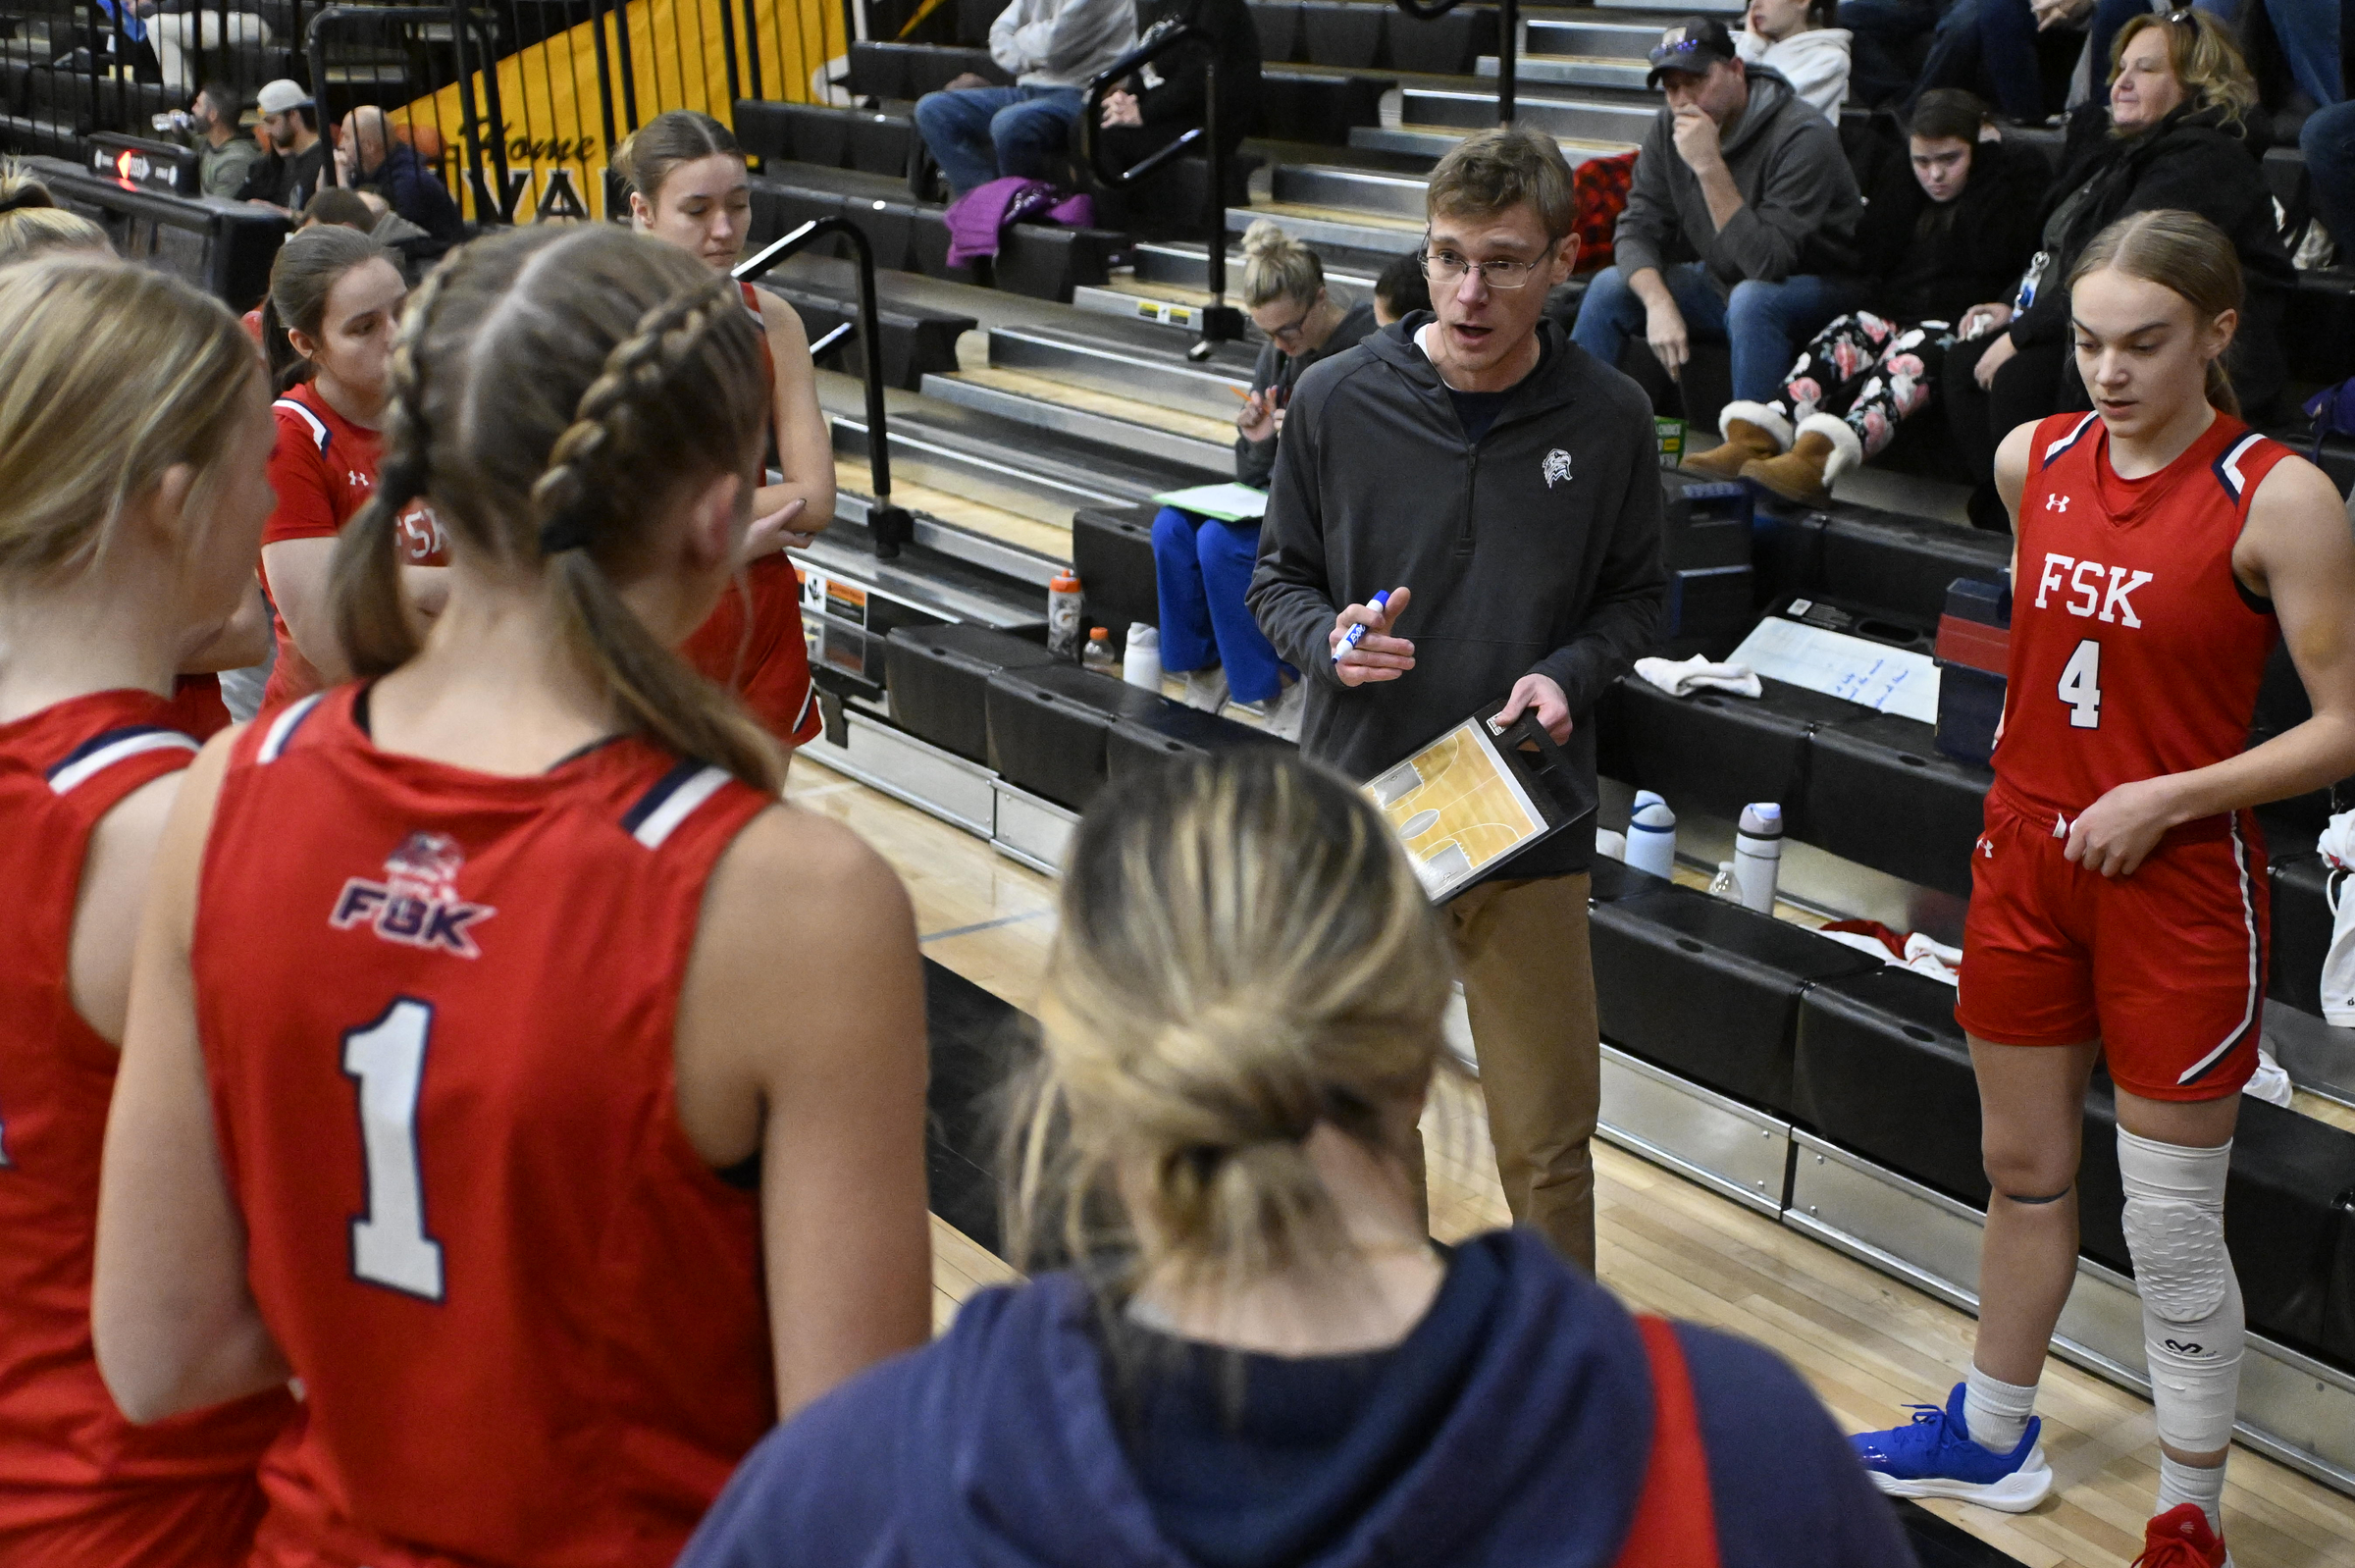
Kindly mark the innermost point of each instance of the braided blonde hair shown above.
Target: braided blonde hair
(553, 391)
(1244, 953)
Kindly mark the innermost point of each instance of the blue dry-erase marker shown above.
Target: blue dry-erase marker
(1379, 601)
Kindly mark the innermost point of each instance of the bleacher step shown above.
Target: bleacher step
(1588, 120)
(1140, 366)
(1337, 226)
(1364, 190)
(1438, 141)
(1191, 441)
(1180, 265)
(1592, 40)
(1572, 71)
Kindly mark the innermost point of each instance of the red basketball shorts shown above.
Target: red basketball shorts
(2164, 967)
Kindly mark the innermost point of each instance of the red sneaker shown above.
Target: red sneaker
(2181, 1538)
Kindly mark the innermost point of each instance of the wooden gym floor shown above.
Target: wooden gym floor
(1867, 1343)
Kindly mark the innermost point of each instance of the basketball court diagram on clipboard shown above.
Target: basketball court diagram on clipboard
(1458, 808)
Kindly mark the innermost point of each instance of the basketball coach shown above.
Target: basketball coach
(1502, 486)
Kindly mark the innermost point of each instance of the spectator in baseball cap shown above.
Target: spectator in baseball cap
(290, 133)
(1741, 224)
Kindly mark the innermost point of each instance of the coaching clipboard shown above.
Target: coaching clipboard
(1472, 799)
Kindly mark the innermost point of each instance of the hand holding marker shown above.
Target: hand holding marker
(1380, 605)
(1363, 649)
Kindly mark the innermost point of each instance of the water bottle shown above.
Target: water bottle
(1140, 665)
(1098, 654)
(1652, 835)
(1757, 856)
(1063, 604)
(1609, 844)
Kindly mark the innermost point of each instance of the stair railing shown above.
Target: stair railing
(890, 527)
(1220, 322)
(1508, 45)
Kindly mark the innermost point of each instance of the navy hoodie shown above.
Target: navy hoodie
(995, 1447)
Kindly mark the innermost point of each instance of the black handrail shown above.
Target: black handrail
(1220, 322)
(1508, 45)
(890, 526)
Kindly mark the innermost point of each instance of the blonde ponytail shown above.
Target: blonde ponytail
(2182, 252)
(555, 391)
(1244, 954)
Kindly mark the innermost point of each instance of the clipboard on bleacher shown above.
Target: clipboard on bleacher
(1472, 799)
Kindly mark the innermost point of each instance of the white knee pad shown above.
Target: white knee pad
(2193, 1325)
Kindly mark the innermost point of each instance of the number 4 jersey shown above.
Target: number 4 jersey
(2136, 652)
(437, 1009)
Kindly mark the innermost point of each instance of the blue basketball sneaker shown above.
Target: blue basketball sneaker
(1933, 1456)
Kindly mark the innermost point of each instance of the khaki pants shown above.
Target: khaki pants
(1529, 986)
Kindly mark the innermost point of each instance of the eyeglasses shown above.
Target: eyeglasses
(1290, 328)
(1446, 267)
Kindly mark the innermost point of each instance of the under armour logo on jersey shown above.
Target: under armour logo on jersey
(417, 904)
(1986, 846)
(1557, 466)
(2089, 594)
(2056, 504)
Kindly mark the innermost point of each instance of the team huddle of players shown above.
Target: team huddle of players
(451, 1118)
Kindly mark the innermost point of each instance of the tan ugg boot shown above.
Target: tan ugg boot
(1826, 446)
(1752, 431)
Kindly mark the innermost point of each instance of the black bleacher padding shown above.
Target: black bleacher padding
(1902, 565)
(1295, 106)
(1709, 609)
(1787, 553)
(881, 145)
(878, 71)
(937, 678)
(2319, 330)
(928, 251)
(1278, 23)
(1112, 550)
(1137, 745)
(1445, 45)
(2301, 930)
(889, 226)
(1706, 522)
(1049, 727)
(1878, 791)
(916, 342)
(2289, 1219)
(1708, 988)
(822, 138)
(1342, 32)
(1882, 1069)
(973, 18)
(1612, 880)
(779, 208)
(15, 82)
(1713, 753)
(846, 660)
(1047, 262)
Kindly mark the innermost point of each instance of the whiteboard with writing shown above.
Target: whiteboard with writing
(1891, 680)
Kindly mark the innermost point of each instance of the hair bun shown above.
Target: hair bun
(1266, 238)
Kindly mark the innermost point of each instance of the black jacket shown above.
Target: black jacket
(2192, 161)
(1173, 104)
(1255, 460)
(1933, 263)
(1537, 548)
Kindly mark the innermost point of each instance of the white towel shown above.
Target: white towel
(1682, 678)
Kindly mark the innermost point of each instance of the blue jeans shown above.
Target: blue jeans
(1881, 32)
(1763, 324)
(2329, 142)
(1991, 38)
(1200, 569)
(982, 133)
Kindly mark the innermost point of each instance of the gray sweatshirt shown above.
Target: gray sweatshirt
(1535, 548)
(1255, 460)
(1799, 204)
(1061, 43)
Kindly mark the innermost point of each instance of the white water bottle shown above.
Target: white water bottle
(1652, 835)
(1757, 856)
(1140, 664)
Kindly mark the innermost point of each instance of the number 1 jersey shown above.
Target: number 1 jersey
(2136, 652)
(436, 1010)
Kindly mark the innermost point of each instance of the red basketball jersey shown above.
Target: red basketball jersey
(67, 1459)
(2136, 652)
(323, 467)
(755, 643)
(437, 1009)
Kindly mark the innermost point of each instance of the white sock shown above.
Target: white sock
(2203, 1485)
(1996, 1412)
